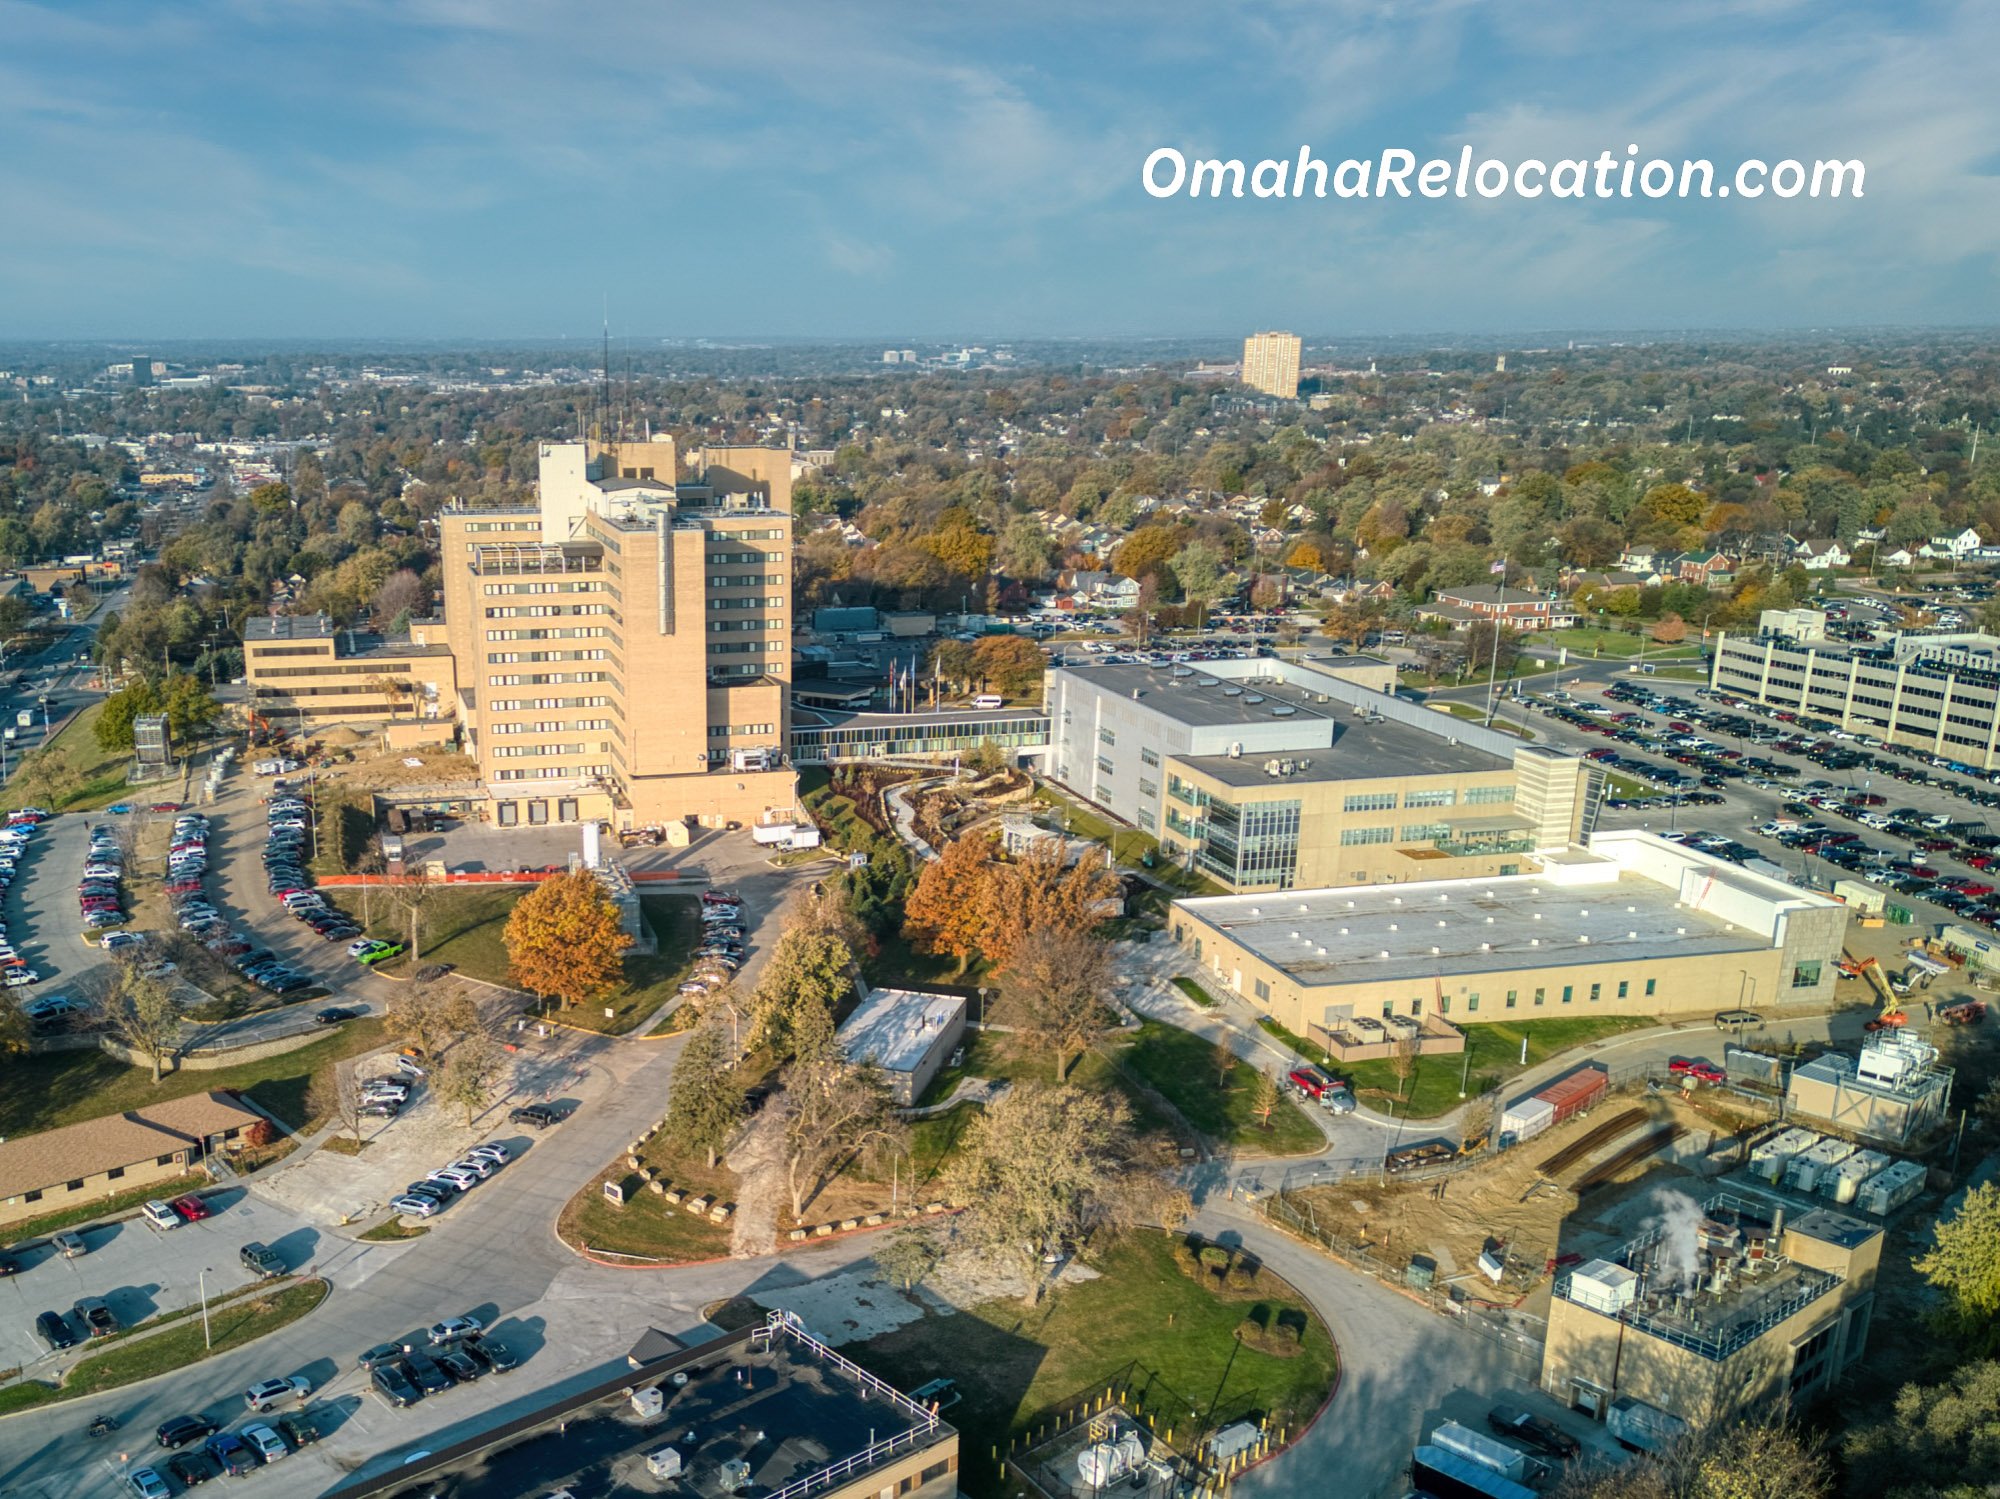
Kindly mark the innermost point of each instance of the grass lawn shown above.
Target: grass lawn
(65, 1087)
(1128, 846)
(1603, 641)
(1195, 992)
(1477, 715)
(996, 1054)
(101, 773)
(1495, 1051)
(23, 1229)
(393, 1230)
(1180, 1066)
(230, 1327)
(1170, 1342)
(647, 1225)
(466, 927)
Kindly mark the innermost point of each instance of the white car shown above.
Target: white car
(267, 1393)
(159, 970)
(453, 1328)
(498, 1155)
(265, 1442)
(415, 1207)
(479, 1166)
(21, 978)
(456, 1176)
(116, 940)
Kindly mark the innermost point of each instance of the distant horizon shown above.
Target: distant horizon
(591, 345)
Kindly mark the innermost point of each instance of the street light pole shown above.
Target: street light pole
(202, 1280)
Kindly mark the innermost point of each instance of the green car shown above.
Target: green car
(382, 953)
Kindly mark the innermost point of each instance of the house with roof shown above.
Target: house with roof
(1900, 557)
(1709, 569)
(1956, 548)
(100, 1158)
(1518, 608)
(1821, 556)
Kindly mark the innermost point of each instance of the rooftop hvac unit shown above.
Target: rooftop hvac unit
(1283, 710)
(1232, 692)
(1253, 698)
(1236, 750)
(735, 1476)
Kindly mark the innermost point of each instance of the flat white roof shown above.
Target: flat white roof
(895, 1029)
(1451, 927)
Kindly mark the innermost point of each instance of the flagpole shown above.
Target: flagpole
(1493, 672)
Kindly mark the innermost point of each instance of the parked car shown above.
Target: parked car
(261, 1259)
(428, 1377)
(178, 1431)
(393, 1383)
(98, 1320)
(191, 1208)
(194, 1468)
(381, 1353)
(69, 1243)
(541, 1116)
(496, 1356)
(231, 1454)
(461, 1366)
(265, 1442)
(147, 1484)
(453, 1328)
(266, 1393)
(416, 1207)
(55, 1332)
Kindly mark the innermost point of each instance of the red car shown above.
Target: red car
(166, 806)
(1700, 1071)
(191, 1208)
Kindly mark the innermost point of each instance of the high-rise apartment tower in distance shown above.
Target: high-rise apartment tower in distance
(1271, 364)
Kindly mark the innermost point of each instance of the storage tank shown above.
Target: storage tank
(1528, 1118)
(1888, 1190)
(1843, 1182)
(1770, 1158)
(1576, 1092)
(1809, 1166)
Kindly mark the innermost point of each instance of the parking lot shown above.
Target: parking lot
(1819, 803)
(142, 1272)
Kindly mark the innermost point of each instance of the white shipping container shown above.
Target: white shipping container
(1888, 1190)
(1843, 1182)
(1770, 1159)
(1809, 1166)
(1528, 1118)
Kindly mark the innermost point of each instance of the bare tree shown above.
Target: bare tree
(414, 890)
(432, 1016)
(1403, 1062)
(1050, 992)
(831, 1109)
(336, 1095)
(143, 1015)
(1264, 1102)
(912, 1252)
(368, 864)
(1225, 1059)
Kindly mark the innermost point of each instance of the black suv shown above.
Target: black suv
(54, 1330)
(429, 1377)
(259, 1259)
(541, 1116)
(179, 1431)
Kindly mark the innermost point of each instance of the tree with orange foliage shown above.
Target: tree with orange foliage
(564, 939)
(1041, 892)
(948, 909)
(1671, 630)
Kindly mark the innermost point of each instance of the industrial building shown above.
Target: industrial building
(1717, 1307)
(1268, 774)
(624, 647)
(1893, 1090)
(1631, 925)
(905, 1034)
(768, 1410)
(1936, 693)
(301, 672)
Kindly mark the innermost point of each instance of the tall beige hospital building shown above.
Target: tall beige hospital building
(1271, 364)
(623, 648)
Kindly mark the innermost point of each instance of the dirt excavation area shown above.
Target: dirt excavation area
(1576, 1189)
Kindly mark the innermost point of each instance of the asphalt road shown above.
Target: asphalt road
(493, 1253)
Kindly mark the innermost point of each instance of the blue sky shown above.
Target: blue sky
(501, 168)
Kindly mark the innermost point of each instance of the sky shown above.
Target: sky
(517, 168)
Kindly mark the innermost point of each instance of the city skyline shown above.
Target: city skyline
(444, 171)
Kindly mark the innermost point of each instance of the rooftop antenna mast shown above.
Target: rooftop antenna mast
(604, 410)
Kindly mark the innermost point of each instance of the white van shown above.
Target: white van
(989, 700)
(158, 1215)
